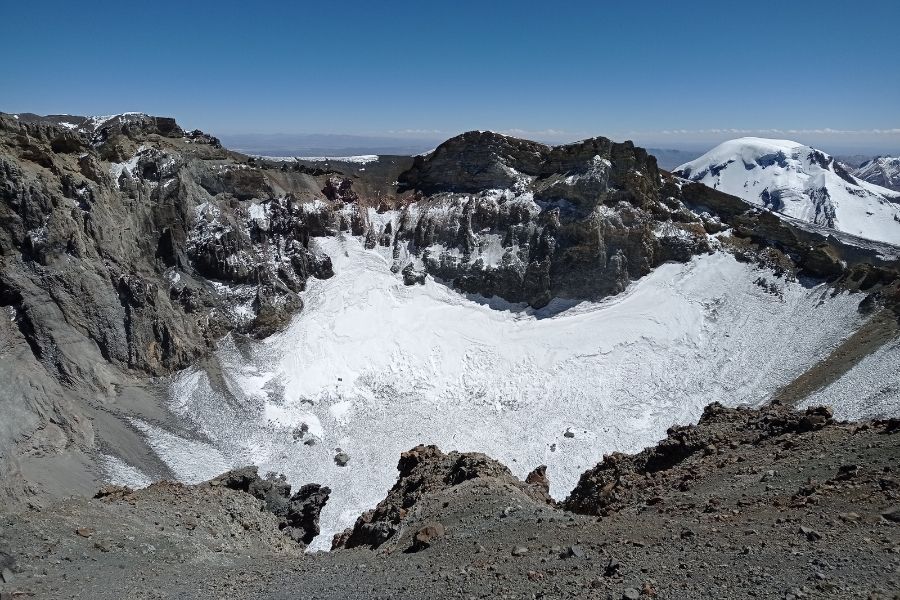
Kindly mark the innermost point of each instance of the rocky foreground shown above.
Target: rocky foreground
(768, 503)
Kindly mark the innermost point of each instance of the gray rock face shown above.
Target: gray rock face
(146, 236)
(127, 248)
(883, 171)
(298, 514)
(529, 222)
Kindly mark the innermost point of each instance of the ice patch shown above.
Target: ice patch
(118, 472)
(116, 169)
(257, 212)
(340, 410)
(190, 461)
(869, 390)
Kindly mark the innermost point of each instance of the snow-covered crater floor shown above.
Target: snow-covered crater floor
(374, 367)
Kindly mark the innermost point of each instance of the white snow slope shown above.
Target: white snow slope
(374, 367)
(362, 159)
(801, 182)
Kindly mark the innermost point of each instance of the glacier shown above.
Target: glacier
(373, 367)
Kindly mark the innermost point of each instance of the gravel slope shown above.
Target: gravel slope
(769, 504)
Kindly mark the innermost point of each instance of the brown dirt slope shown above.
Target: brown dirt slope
(767, 503)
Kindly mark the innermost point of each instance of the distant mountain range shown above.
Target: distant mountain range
(319, 144)
(883, 171)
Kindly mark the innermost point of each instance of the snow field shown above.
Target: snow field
(374, 367)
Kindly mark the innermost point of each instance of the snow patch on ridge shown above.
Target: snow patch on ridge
(116, 169)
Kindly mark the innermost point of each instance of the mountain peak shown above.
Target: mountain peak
(479, 160)
(883, 171)
(801, 182)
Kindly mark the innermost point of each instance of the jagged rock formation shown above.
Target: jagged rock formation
(883, 171)
(298, 514)
(426, 471)
(529, 222)
(162, 224)
(623, 480)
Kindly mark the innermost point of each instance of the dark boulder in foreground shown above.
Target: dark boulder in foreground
(298, 514)
(425, 471)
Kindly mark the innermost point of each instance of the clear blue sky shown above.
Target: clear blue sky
(639, 69)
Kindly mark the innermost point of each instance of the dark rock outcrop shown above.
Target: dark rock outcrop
(621, 479)
(426, 471)
(147, 215)
(529, 222)
(298, 514)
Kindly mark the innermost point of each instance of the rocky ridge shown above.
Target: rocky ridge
(528, 222)
(883, 171)
(426, 471)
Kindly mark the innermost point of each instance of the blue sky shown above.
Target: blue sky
(655, 72)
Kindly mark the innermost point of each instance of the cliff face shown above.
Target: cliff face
(133, 230)
(127, 247)
(530, 222)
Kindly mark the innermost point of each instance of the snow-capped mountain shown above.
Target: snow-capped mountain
(883, 171)
(801, 182)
